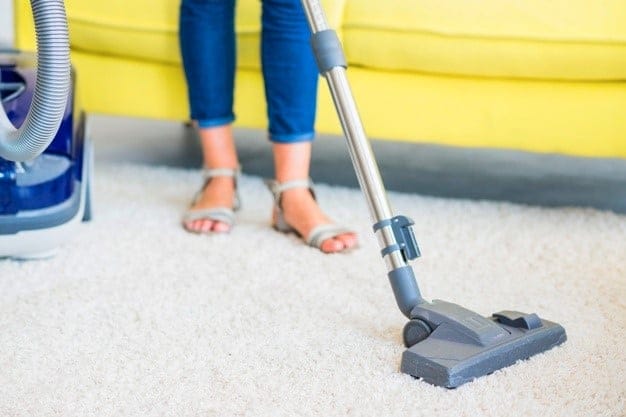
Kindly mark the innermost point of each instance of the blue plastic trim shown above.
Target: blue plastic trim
(42, 218)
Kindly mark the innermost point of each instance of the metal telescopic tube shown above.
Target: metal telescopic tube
(360, 150)
(363, 160)
(315, 15)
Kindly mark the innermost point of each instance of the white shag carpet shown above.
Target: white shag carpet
(135, 317)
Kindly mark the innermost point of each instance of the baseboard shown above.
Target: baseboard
(469, 173)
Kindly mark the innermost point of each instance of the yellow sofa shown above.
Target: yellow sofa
(519, 74)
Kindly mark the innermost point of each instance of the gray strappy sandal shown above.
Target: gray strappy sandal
(320, 233)
(220, 214)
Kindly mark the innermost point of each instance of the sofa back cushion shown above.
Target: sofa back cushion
(148, 29)
(555, 39)
(537, 39)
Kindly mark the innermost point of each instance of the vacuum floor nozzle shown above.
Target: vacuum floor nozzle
(464, 345)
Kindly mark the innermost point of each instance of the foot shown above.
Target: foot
(218, 192)
(302, 212)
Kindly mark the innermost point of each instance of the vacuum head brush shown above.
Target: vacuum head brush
(450, 345)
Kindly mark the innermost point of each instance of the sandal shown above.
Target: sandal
(320, 233)
(224, 215)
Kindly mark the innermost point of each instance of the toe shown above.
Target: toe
(220, 227)
(339, 243)
(205, 226)
(349, 240)
(194, 226)
(188, 226)
(332, 246)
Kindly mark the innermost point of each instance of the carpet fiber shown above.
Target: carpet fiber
(135, 317)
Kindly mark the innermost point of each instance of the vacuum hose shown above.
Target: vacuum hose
(51, 88)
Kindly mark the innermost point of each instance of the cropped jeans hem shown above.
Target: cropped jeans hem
(292, 138)
(222, 121)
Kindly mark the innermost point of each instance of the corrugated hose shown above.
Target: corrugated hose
(51, 88)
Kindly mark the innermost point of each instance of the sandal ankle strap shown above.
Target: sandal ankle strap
(277, 188)
(208, 173)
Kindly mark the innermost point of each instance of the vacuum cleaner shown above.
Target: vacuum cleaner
(447, 345)
(45, 157)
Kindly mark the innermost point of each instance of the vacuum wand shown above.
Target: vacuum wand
(448, 345)
(395, 235)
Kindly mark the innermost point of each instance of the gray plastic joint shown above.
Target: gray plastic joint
(405, 289)
(404, 236)
(327, 50)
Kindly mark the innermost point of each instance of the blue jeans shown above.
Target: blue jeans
(207, 41)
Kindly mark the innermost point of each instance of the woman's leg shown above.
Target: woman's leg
(207, 43)
(291, 75)
(218, 150)
(300, 209)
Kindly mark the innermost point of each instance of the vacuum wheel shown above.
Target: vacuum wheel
(88, 213)
(414, 332)
(88, 162)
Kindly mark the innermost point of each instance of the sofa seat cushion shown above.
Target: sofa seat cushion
(148, 29)
(536, 39)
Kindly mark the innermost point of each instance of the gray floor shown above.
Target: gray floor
(521, 177)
